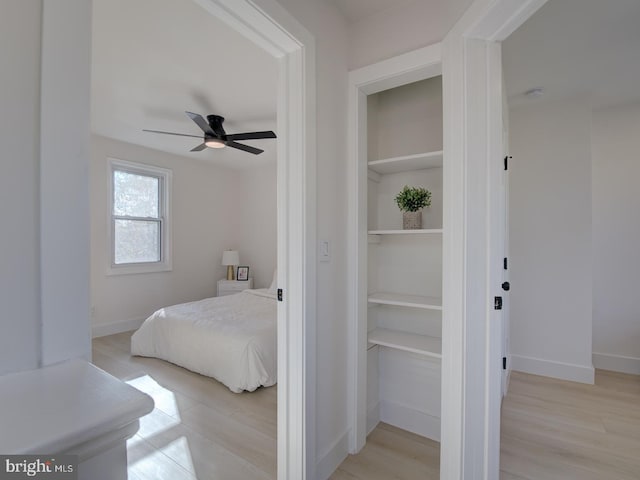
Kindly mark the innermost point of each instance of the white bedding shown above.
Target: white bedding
(232, 338)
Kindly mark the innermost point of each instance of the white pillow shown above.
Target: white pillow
(274, 282)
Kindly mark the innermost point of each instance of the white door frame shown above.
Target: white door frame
(271, 27)
(471, 350)
(417, 65)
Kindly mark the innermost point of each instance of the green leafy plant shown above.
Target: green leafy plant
(412, 199)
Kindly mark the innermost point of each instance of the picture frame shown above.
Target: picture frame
(242, 275)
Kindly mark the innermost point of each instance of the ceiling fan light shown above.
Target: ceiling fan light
(214, 143)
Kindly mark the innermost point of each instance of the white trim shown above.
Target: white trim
(270, 26)
(332, 457)
(416, 65)
(504, 18)
(550, 368)
(508, 380)
(470, 443)
(410, 419)
(403, 69)
(373, 417)
(104, 329)
(497, 214)
(166, 240)
(616, 363)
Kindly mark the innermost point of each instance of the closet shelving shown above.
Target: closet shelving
(406, 232)
(408, 342)
(404, 274)
(401, 300)
(407, 163)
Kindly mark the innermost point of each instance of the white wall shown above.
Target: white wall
(399, 30)
(408, 119)
(204, 206)
(329, 30)
(64, 180)
(550, 240)
(19, 184)
(616, 237)
(256, 222)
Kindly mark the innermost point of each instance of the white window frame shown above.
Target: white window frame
(165, 180)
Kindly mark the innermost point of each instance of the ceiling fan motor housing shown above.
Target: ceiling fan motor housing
(215, 122)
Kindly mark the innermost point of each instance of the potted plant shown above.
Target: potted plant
(411, 201)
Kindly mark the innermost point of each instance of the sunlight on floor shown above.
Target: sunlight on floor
(151, 448)
(164, 399)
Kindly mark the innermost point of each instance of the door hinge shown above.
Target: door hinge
(504, 263)
(504, 363)
(497, 303)
(280, 295)
(506, 162)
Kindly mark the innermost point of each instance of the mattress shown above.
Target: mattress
(231, 338)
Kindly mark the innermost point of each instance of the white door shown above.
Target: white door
(505, 247)
(506, 286)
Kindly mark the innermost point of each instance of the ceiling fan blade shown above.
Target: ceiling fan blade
(173, 133)
(202, 146)
(246, 148)
(202, 123)
(251, 135)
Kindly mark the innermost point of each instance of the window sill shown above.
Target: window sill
(137, 269)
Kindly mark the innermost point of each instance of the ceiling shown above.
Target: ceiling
(576, 47)
(356, 10)
(154, 59)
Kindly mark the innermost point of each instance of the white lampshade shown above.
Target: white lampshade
(230, 257)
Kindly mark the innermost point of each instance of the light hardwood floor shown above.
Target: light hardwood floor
(551, 429)
(199, 429)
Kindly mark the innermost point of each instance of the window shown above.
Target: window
(139, 218)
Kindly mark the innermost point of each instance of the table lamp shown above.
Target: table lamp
(230, 259)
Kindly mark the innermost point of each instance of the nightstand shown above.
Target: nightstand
(229, 287)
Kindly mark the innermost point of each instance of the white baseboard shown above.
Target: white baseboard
(411, 420)
(548, 368)
(104, 329)
(373, 417)
(333, 457)
(617, 363)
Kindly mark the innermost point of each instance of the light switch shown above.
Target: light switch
(325, 255)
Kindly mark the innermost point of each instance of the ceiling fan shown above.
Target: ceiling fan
(216, 137)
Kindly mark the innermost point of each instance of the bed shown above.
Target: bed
(232, 338)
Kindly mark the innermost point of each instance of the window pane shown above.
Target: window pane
(135, 195)
(136, 241)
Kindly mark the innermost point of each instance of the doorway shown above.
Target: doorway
(296, 219)
(474, 103)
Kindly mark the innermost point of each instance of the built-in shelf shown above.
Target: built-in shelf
(406, 232)
(408, 342)
(407, 163)
(401, 300)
